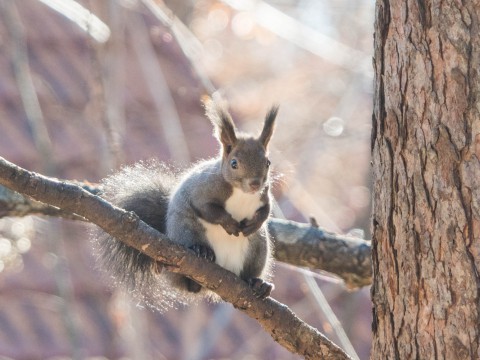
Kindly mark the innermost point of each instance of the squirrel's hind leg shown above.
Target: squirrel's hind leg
(257, 265)
(260, 287)
(202, 251)
(191, 235)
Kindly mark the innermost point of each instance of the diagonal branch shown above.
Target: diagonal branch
(295, 243)
(276, 318)
(15, 204)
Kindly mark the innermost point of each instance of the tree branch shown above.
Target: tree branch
(307, 245)
(15, 204)
(296, 243)
(276, 318)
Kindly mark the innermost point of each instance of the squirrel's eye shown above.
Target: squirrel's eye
(268, 163)
(234, 163)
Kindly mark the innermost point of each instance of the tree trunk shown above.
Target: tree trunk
(426, 151)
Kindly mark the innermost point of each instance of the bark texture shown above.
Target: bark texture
(307, 245)
(426, 151)
(15, 204)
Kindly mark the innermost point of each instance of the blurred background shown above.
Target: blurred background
(87, 86)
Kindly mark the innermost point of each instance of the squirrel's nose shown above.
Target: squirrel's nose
(254, 184)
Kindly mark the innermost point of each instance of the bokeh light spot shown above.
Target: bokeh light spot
(334, 126)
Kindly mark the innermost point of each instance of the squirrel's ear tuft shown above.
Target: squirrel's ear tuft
(224, 129)
(268, 126)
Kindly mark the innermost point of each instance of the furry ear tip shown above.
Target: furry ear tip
(272, 113)
(275, 107)
(270, 117)
(211, 109)
(206, 100)
(269, 125)
(224, 128)
(217, 112)
(214, 102)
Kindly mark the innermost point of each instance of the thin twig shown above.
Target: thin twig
(107, 83)
(159, 90)
(331, 317)
(43, 145)
(188, 42)
(304, 36)
(26, 87)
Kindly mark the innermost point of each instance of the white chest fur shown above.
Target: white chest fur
(230, 251)
(242, 205)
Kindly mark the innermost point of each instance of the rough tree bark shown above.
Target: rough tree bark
(426, 151)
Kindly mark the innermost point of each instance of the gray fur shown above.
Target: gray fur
(143, 188)
(224, 128)
(183, 206)
(205, 184)
(268, 126)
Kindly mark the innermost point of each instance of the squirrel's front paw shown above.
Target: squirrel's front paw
(232, 227)
(250, 226)
(262, 289)
(203, 251)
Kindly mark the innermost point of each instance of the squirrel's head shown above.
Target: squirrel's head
(245, 163)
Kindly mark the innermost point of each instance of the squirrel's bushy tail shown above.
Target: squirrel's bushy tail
(144, 188)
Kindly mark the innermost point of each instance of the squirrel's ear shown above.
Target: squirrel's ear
(268, 126)
(224, 129)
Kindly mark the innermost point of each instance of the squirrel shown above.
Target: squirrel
(217, 209)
